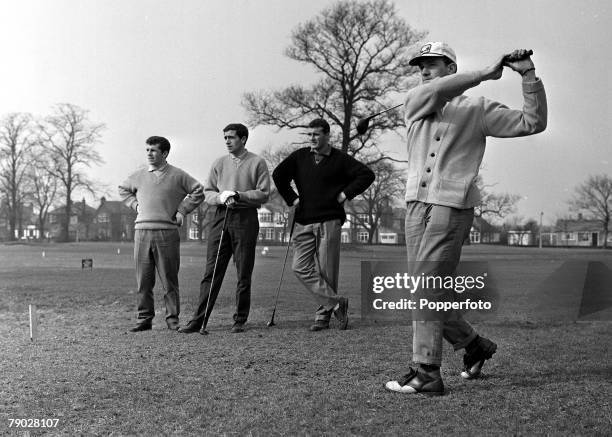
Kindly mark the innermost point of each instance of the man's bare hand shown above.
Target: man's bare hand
(495, 70)
(519, 60)
(179, 218)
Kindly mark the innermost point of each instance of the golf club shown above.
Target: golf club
(203, 330)
(292, 218)
(364, 123)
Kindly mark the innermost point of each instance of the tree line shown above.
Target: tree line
(359, 51)
(43, 159)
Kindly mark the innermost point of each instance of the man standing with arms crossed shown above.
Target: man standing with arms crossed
(162, 195)
(446, 142)
(238, 184)
(324, 177)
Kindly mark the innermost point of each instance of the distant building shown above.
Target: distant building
(578, 232)
(520, 238)
(274, 226)
(113, 221)
(484, 232)
(26, 226)
(80, 221)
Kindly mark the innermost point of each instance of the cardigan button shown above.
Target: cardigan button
(423, 185)
(432, 154)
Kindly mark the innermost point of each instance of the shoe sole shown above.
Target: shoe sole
(141, 329)
(415, 392)
(186, 332)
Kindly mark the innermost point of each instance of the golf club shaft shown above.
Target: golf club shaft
(212, 281)
(386, 110)
(283, 269)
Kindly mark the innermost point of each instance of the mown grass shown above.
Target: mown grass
(548, 377)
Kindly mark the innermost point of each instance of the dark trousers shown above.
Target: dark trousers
(157, 248)
(239, 240)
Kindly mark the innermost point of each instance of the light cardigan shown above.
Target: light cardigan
(250, 179)
(158, 197)
(447, 133)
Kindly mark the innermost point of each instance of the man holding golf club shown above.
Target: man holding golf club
(162, 195)
(325, 178)
(237, 185)
(446, 143)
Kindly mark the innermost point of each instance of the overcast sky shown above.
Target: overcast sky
(179, 69)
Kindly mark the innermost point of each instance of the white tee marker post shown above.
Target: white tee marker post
(33, 323)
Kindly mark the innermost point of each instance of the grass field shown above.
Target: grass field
(551, 374)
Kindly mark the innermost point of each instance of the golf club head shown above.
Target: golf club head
(271, 323)
(362, 125)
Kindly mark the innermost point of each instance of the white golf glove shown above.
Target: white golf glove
(226, 195)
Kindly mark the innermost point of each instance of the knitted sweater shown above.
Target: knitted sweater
(318, 185)
(250, 179)
(447, 134)
(158, 196)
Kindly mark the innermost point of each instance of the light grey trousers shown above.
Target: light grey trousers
(434, 238)
(157, 248)
(316, 262)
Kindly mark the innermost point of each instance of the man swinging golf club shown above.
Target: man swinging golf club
(446, 141)
(324, 177)
(237, 185)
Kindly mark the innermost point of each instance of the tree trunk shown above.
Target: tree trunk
(65, 233)
(41, 227)
(12, 210)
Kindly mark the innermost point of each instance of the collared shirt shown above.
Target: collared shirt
(158, 171)
(238, 159)
(320, 154)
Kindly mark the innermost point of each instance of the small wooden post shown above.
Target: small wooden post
(33, 323)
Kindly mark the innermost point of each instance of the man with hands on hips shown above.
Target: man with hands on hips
(237, 185)
(162, 195)
(446, 142)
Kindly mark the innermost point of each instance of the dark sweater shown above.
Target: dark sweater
(318, 185)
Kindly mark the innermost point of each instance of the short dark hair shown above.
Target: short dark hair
(319, 122)
(163, 143)
(241, 130)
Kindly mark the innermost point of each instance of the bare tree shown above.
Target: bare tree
(43, 186)
(15, 145)
(369, 207)
(70, 137)
(595, 196)
(494, 205)
(360, 50)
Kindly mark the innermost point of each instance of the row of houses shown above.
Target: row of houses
(113, 221)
